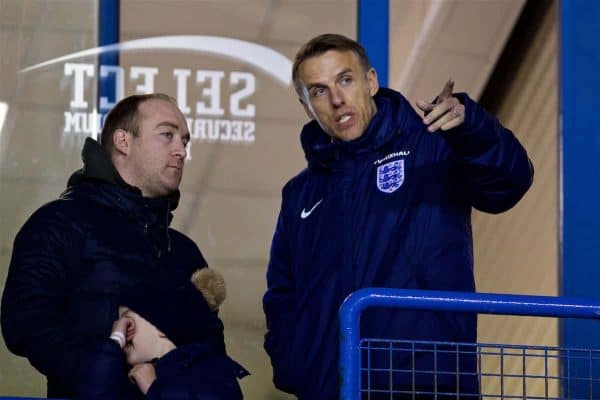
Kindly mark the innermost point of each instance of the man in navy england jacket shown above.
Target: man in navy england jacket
(109, 230)
(385, 202)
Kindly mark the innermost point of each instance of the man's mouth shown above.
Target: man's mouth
(345, 120)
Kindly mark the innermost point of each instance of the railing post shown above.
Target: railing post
(349, 342)
(483, 303)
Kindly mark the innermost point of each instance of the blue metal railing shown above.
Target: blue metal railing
(484, 303)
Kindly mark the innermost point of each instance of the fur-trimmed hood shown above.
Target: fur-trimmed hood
(185, 311)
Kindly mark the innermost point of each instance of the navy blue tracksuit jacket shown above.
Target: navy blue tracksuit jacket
(391, 208)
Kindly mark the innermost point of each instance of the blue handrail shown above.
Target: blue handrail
(484, 303)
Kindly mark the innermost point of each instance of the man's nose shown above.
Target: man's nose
(180, 148)
(336, 97)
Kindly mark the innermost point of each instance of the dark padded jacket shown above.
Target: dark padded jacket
(73, 258)
(391, 208)
(196, 371)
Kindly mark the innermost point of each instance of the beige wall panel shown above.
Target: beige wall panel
(312, 18)
(230, 18)
(517, 252)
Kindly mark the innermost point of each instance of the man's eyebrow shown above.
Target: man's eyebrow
(319, 85)
(313, 85)
(167, 123)
(173, 125)
(344, 71)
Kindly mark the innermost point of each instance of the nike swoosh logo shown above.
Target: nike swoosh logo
(304, 214)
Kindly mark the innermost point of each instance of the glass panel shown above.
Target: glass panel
(231, 190)
(244, 117)
(35, 158)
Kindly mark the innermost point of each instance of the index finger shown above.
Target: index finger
(130, 332)
(447, 90)
(132, 375)
(440, 110)
(128, 320)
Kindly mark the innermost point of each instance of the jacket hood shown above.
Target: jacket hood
(185, 310)
(98, 167)
(321, 150)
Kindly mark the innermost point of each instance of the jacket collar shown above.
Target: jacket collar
(184, 356)
(98, 170)
(323, 151)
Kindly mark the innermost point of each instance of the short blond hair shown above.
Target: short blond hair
(321, 44)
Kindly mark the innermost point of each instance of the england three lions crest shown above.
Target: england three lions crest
(390, 176)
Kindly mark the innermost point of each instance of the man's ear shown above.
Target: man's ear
(372, 81)
(121, 141)
(306, 108)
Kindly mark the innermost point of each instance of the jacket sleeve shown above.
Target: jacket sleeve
(205, 377)
(102, 373)
(33, 313)
(497, 169)
(279, 307)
